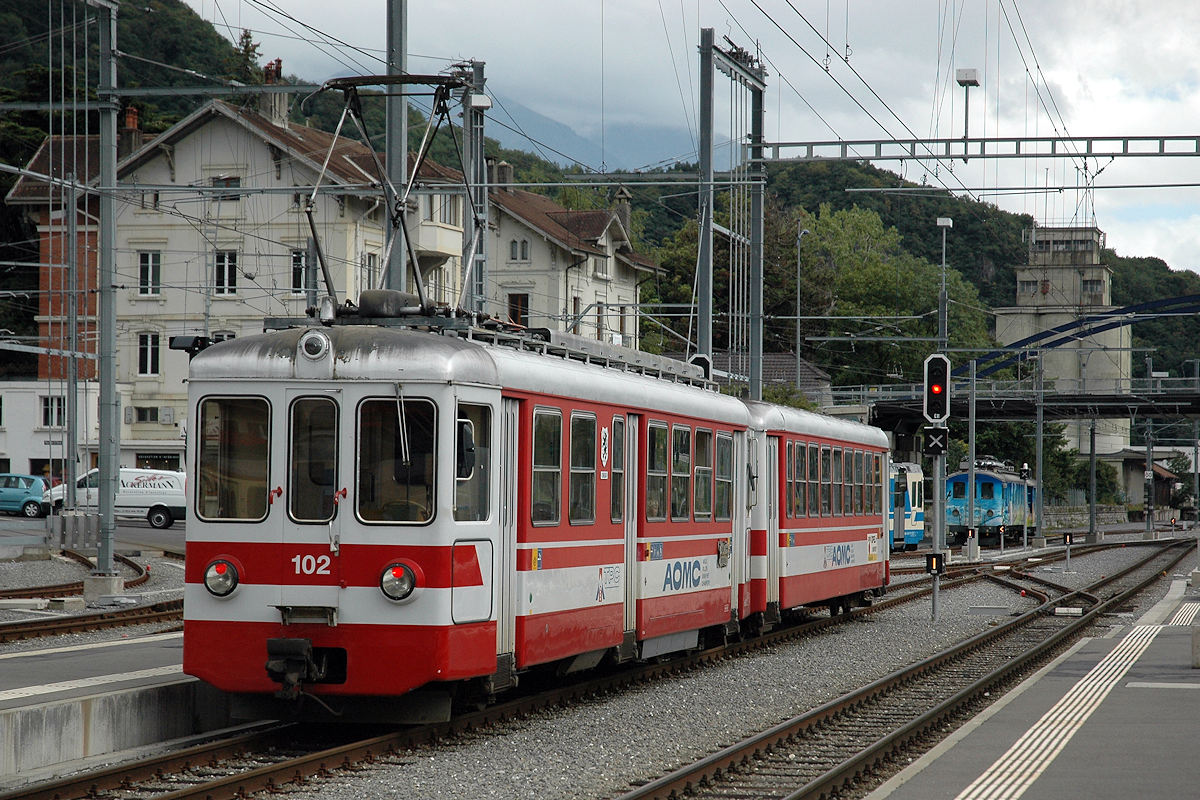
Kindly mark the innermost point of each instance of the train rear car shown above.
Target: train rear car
(1002, 505)
(906, 507)
(818, 527)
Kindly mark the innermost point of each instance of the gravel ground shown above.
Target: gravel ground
(597, 749)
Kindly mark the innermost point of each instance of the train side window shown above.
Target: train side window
(233, 461)
(656, 473)
(838, 485)
(473, 450)
(312, 471)
(547, 466)
(583, 469)
(801, 480)
(826, 474)
(987, 491)
(397, 449)
(616, 500)
(789, 479)
(724, 476)
(858, 481)
(681, 471)
(959, 490)
(814, 480)
(703, 480)
(877, 482)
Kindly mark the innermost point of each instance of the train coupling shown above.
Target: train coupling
(290, 662)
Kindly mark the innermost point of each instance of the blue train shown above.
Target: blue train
(1004, 501)
(906, 508)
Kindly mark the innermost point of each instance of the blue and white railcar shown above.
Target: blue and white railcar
(1003, 502)
(906, 505)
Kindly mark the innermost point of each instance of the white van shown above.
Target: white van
(156, 495)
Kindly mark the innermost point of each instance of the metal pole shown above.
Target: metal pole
(71, 451)
(799, 273)
(939, 523)
(1149, 474)
(473, 147)
(1092, 535)
(396, 137)
(704, 267)
(758, 182)
(110, 431)
(943, 337)
(1039, 481)
(971, 456)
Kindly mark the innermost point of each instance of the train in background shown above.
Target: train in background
(906, 505)
(393, 512)
(1004, 501)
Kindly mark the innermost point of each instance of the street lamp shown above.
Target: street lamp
(799, 269)
(966, 78)
(943, 223)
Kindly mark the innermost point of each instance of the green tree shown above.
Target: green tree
(243, 62)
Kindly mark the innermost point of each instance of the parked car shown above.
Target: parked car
(155, 495)
(22, 493)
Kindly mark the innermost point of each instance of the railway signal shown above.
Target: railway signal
(936, 406)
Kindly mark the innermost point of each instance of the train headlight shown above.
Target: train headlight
(398, 581)
(220, 578)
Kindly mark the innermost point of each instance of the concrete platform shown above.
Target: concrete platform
(1112, 718)
(64, 705)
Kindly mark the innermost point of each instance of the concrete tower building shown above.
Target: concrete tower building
(1064, 281)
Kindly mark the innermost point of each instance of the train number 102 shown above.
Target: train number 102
(311, 565)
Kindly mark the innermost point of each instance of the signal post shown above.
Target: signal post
(936, 408)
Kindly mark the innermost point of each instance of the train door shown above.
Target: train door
(740, 511)
(308, 502)
(506, 558)
(768, 473)
(632, 518)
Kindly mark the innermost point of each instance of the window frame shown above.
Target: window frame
(581, 471)
(292, 460)
(149, 273)
(199, 483)
(707, 477)
(225, 270)
(547, 468)
(660, 476)
(616, 483)
(149, 349)
(681, 471)
(434, 454)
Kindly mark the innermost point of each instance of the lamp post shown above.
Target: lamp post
(966, 78)
(800, 233)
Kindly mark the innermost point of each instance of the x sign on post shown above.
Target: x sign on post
(936, 441)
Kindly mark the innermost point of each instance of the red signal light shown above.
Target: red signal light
(936, 388)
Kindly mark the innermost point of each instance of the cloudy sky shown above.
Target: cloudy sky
(1083, 68)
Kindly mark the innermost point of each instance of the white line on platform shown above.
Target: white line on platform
(157, 637)
(84, 683)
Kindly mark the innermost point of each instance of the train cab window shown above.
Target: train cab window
(987, 491)
(724, 477)
(233, 458)
(838, 486)
(656, 473)
(547, 466)
(681, 472)
(789, 480)
(472, 459)
(583, 469)
(959, 490)
(312, 469)
(702, 480)
(616, 500)
(396, 460)
(814, 480)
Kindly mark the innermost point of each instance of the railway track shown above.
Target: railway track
(268, 757)
(841, 748)
(75, 623)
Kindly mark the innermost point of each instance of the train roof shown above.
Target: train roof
(385, 353)
(786, 418)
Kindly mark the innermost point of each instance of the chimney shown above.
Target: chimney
(504, 175)
(129, 138)
(273, 105)
(490, 162)
(623, 209)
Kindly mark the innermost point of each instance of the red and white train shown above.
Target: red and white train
(386, 518)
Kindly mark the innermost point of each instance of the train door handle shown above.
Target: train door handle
(339, 495)
(271, 495)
